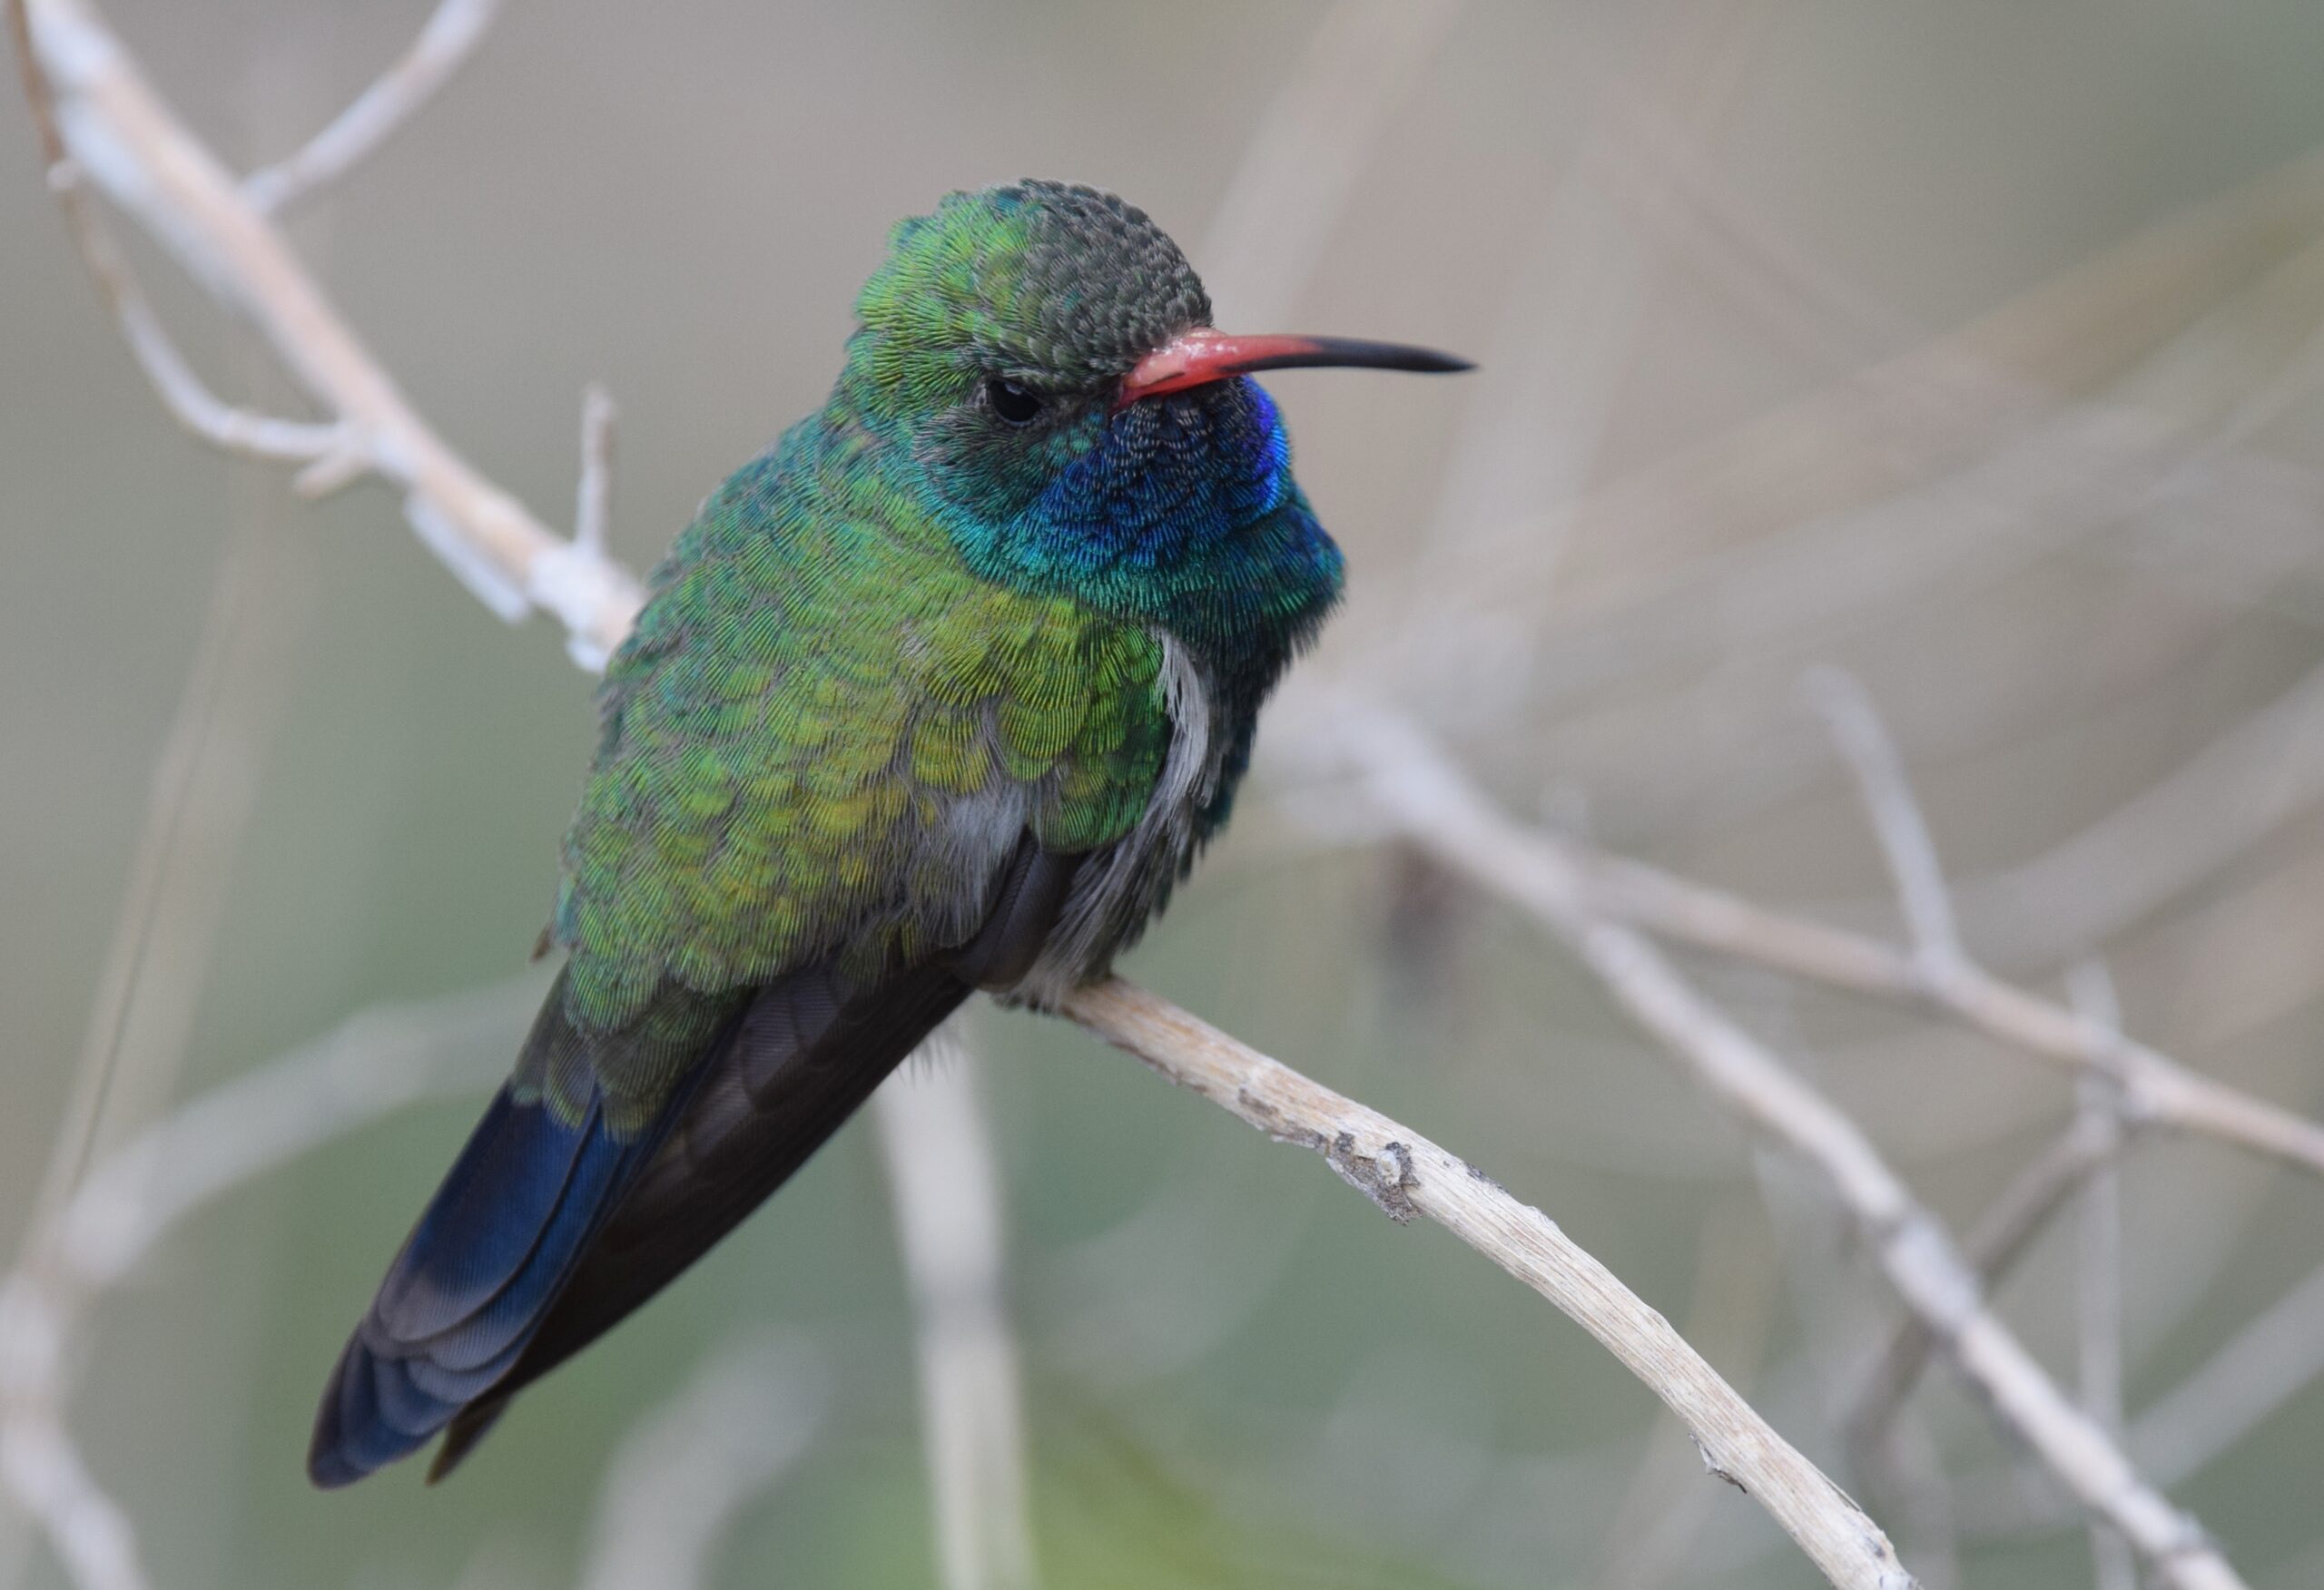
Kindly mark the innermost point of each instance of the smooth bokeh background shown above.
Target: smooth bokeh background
(1238, 1375)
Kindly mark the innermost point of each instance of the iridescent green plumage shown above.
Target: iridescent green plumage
(817, 689)
(943, 693)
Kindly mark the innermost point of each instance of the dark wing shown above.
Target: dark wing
(545, 1235)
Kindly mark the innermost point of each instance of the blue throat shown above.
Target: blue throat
(1183, 514)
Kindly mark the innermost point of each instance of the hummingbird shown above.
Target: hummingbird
(942, 694)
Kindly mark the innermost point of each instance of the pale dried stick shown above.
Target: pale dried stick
(1993, 1247)
(449, 36)
(191, 403)
(1897, 820)
(950, 1220)
(2156, 1089)
(1650, 1535)
(2273, 1359)
(1406, 1175)
(592, 498)
(101, 113)
(2098, 1277)
(683, 1475)
(1445, 814)
(1911, 851)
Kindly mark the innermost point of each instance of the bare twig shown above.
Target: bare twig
(1905, 840)
(1991, 1248)
(2257, 1371)
(450, 35)
(1447, 815)
(191, 403)
(1406, 1175)
(2251, 1375)
(2155, 1089)
(1651, 1535)
(1927, 906)
(949, 1219)
(93, 1536)
(110, 121)
(2098, 1282)
(679, 1480)
(593, 506)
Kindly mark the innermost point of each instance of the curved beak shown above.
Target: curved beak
(1203, 354)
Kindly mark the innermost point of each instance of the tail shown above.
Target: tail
(477, 1274)
(545, 1233)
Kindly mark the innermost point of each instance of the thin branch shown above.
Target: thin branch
(189, 402)
(452, 32)
(2264, 1366)
(1993, 1248)
(1846, 709)
(2098, 1280)
(593, 506)
(2155, 1089)
(950, 1220)
(1447, 815)
(1406, 1175)
(225, 426)
(2272, 1359)
(1651, 1535)
(93, 1538)
(109, 118)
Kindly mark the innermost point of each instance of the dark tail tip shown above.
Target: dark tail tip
(469, 1427)
(469, 1290)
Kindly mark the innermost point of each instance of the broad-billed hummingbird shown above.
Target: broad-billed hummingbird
(944, 692)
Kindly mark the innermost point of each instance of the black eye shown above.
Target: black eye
(1016, 404)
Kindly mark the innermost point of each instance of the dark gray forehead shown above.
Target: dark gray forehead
(1096, 286)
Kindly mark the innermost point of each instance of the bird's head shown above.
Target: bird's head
(1045, 353)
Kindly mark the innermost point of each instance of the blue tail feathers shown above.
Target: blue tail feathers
(473, 1282)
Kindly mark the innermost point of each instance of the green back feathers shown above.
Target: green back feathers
(824, 736)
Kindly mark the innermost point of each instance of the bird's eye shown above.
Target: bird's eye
(1014, 404)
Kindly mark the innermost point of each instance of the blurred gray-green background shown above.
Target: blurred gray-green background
(1968, 345)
